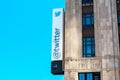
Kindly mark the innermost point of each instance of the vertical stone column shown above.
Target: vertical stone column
(73, 38)
(116, 39)
(73, 29)
(106, 38)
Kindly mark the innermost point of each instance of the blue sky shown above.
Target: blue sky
(25, 39)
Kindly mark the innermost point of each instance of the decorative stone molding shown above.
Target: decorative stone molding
(89, 64)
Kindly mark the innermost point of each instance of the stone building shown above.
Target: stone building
(92, 40)
(92, 30)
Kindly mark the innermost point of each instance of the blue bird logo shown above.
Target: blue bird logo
(57, 13)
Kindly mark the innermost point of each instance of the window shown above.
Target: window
(89, 76)
(87, 20)
(117, 1)
(118, 16)
(87, 1)
(88, 47)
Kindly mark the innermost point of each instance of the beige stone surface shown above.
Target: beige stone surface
(107, 60)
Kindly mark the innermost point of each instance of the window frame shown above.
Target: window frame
(118, 17)
(87, 20)
(86, 76)
(88, 47)
(87, 1)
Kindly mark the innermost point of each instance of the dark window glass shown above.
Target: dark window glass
(88, 47)
(87, 20)
(118, 16)
(96, 76)
(117, 1)
(89, 76)
(87, 1)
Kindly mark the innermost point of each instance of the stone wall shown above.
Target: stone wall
(106, 41)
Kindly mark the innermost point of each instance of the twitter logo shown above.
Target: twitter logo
(57, 14)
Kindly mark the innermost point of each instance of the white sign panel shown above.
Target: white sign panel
(57, 34)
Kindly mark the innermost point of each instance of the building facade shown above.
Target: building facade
(92, 40)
